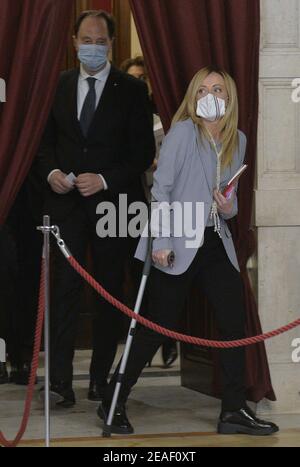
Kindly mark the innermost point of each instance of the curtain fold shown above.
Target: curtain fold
(33, 37)
(101, 5)
(178, 38)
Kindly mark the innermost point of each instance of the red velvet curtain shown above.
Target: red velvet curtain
(102, 5)
(33, 35)
(178, 38)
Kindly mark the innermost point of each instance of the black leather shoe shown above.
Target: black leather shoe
(96, 392)
(3, 373)
(20, 375)
(61, 395)
(169, 352)
(243, 421)
(120, 424)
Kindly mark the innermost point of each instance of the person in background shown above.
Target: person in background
(136, 67)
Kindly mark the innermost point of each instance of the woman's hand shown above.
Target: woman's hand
(153, 166)
(224, 206)
(161, 257)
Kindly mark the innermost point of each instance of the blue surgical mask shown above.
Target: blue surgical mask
(93, 56)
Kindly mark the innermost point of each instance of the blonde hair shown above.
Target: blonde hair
(228, 123)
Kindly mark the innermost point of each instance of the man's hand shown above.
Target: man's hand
(224, 206)
(161, 257)
(89, 184)
(59, 184)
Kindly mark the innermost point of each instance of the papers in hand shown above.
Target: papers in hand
(229, 189)
(71, 178)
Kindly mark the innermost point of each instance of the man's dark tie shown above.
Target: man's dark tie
(89, 107)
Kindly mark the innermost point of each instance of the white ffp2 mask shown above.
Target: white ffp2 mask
(211, 108)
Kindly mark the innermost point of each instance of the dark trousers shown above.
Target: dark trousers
(8, 283)
(166, 295)
(79, 231)
(20, 253)
(29, 251)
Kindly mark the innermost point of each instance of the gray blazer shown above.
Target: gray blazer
(186, 171)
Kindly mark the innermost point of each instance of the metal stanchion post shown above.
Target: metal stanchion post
(46, 230)
(46, 254)
(47, 328)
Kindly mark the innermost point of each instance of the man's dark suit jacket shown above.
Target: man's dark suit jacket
(120, 144)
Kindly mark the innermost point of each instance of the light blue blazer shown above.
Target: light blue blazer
(186, 171)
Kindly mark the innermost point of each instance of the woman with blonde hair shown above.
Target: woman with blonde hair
(200, 154)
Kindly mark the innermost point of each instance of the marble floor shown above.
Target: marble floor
(158, 404)
(286, 438)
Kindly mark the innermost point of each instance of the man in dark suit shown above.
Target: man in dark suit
(100, 129)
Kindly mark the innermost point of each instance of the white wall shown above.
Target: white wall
(135, 43)
(277, 195)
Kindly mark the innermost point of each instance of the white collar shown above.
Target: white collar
(101, 76)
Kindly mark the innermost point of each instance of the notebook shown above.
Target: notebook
(228, 190)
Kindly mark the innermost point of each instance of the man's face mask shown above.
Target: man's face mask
(211, 108)
(93, 56)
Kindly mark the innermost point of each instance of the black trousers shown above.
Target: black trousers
(166, 295)
(8, 284)
(20, 253)
(79, 231)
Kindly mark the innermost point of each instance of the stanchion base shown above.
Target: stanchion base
(106, 432)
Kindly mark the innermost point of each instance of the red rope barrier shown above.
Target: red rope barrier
(34, 366)
(140, 319)
(167, 332)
